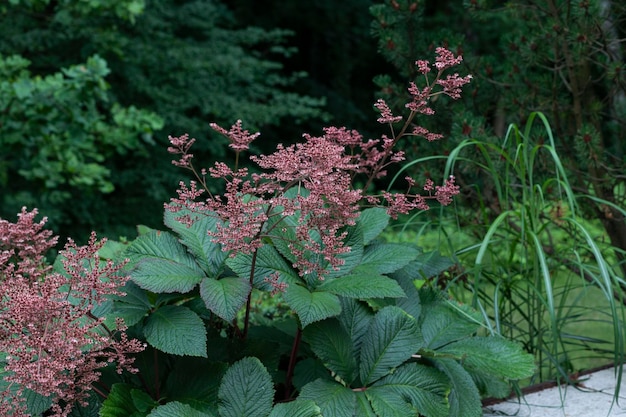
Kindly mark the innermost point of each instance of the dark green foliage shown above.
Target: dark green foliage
(354, 358)
(58, 136)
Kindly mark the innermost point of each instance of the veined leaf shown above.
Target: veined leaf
(246, 390)
(162, 265)
(355, 318)
(373, 221)
(134, 306)
(209, 255)
(312, 306)
(119, 403)
(385, 258)
(142, 401)
(392, 338)
(441, 323)
(176, 408)
(195, 382)
(177, 330)
(363, 406)
(297, 408)
(464, 398)
(268, 261)
(334, 399)
(165, 276)
(333, 346)
(493, 355)
(363, 283)
(308, 370)
(157, 244)
(430, 264)
(225, 296)
(422, 388)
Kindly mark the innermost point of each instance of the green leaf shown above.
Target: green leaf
(195, 381)
(177, 330)
(225, 296)
(464, 398)
(308, 370)
(363, 406)
(142, 401)
(373, 221)
(177, 409)
(297, 408)
(493, 355)
(422, 388)
(430, 265)
(312, 306)
(385, 258)
(246, 390)
(363, 283)
(334, 399)
(119, 403)
(333, 346)
(162, 265)
(392, 338)
(268, 261)
(443, 322)
(132, 307)
(355, 318)
(209, 255)
(411, 303)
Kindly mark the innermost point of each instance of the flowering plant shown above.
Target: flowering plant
(54, 346)
(359, 336)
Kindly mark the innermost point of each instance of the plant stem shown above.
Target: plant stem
(246, 322)
(292, 363)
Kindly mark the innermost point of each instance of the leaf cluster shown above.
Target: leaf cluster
(370, 342)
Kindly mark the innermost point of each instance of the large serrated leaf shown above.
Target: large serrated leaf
(423, 389)
(297, 408)
(246, 390)
(443, 322)
(132, 307)
(373, 222)
(225, 296)
(363, 283)
(363, 406)
(333, 346)
(312, 306)
(119, 403)
(157, 244)
(464, 398)
(355, 318)
(267, 262)
(176, 409)
(209, 255)
(162, 265)
(392, 338)
(385, 258)
(177, 330)
(195, 381)
(493, 355)
(430, 264)
(334, 399)
(166, 276)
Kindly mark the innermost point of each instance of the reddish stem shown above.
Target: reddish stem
(292, 363)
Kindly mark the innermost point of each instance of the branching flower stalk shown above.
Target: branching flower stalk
(53, 343)
(304, 195)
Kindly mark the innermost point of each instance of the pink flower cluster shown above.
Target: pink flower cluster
(54, 345)
(305, 193)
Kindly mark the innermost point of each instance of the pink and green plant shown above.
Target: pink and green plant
(301, 224)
